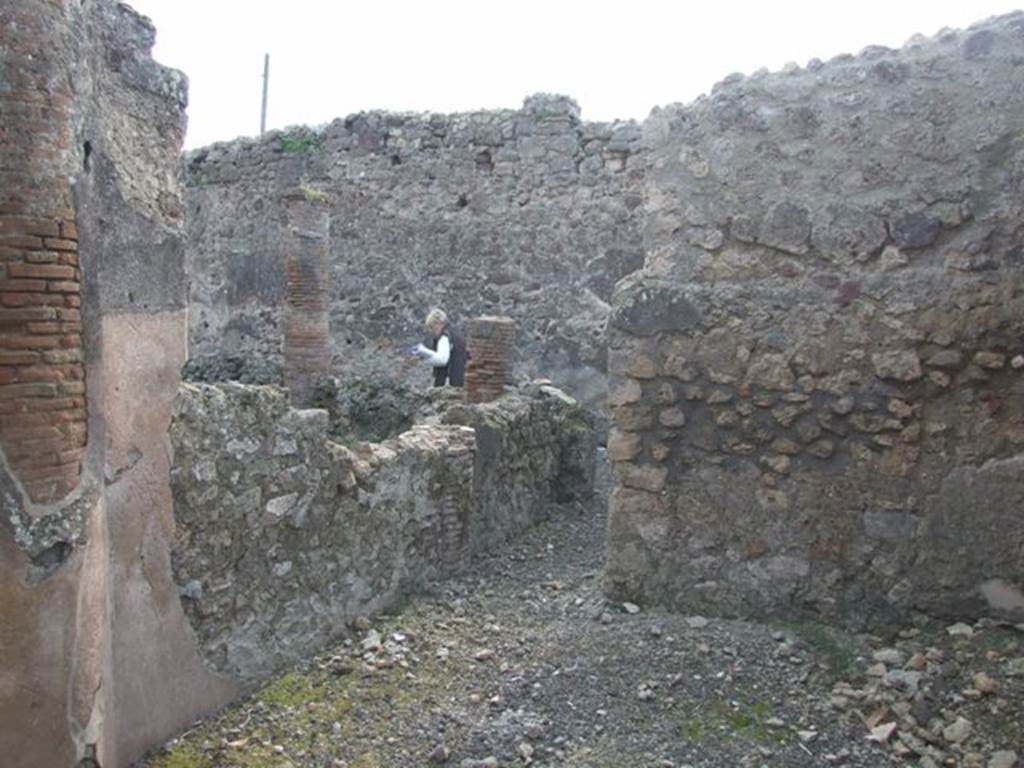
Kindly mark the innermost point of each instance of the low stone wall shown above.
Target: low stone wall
(530, 451)
(284, 536)
(817, 381)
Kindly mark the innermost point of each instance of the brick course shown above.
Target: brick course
(489, 343)
(42, 404)
(306, 316)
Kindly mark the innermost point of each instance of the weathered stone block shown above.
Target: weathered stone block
(641, 476)
(770, 372)
(632, 502)
(787, 227)
(990, 360)
(665, 393)
(945, 358)
(633, 417)
(623, 446)
(901, 365)
(625, 392)
(672, 418)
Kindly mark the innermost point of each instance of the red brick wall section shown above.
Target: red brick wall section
(490, 341)
(42, 381)
(306, 316)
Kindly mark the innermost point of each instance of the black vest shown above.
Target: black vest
(453, 374)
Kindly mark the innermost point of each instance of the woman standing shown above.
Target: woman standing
(447, 351)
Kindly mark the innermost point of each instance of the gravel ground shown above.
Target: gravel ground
(522, 662)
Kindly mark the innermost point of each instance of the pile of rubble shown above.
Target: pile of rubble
(944, 698)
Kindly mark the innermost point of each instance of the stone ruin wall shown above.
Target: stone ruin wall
(98, 660)
(107, 647)
(817, 381)
(284, 536)
(531, 214)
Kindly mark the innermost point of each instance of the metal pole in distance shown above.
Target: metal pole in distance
(266, 80)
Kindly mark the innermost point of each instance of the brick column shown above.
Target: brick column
(306, 315)
(490, 340)
(42, 381)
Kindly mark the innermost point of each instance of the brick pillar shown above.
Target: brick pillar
(306, 315)
(42, 381)
(490, 341)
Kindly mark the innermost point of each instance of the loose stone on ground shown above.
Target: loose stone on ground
(500, 668)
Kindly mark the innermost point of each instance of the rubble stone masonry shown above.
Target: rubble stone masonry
(284, 536)
(806, 290)
(532, 214)
(817, 381)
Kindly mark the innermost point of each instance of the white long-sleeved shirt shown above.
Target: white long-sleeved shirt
(438, 359)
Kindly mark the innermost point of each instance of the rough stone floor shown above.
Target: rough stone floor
(521, 662)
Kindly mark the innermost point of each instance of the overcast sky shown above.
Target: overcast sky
(330, 58)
